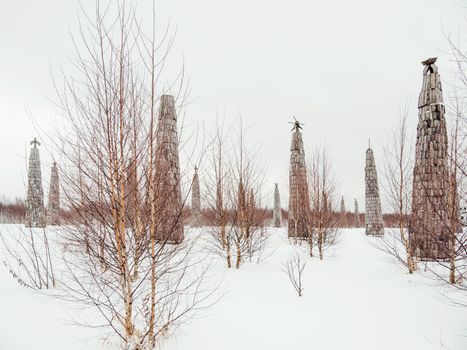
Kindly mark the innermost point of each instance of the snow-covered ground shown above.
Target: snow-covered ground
(354, 299)
(30, 320)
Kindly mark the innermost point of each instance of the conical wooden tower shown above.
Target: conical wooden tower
(35, 216)
(356, 215)
(53, 207)
(196, 219)
(167, 175)
(342, 213)
(373, 215)
(429, 233)
(276, 214)
(299, 202)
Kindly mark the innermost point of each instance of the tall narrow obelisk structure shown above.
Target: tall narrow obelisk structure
(429, 233)
(276, 214)
(53, 207)
(356, 215)
(196, 219)
(167, 175)
(373, 215)
(343, 216)
(35, 199)
(299, 201)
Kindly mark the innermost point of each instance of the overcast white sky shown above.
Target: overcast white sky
(341, 67)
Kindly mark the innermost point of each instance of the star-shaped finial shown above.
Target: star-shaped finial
(296, 124)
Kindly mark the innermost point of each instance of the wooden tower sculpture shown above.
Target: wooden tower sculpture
(276, 214)
(53, 207)
(299, 201)
(373, 215)
(196, 219)
(35, 216)
(343, 215)
(167, 175)
(356, 215)
(429, 234)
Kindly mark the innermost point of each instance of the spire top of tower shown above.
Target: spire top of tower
(35, 143)
(369, 150)
(429, 61)
(296, 124)
(430, 66)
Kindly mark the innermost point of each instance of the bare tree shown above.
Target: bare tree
(236, 217)
(218, 193)
(322, 219)
(456, 153)
(250, 232)
(398, 171)
(294, 268)
(458, 165)
(117, 262)
(28, 256)
(454, 261)
(12, 211)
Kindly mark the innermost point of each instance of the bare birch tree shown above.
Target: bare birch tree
(236, 217)
(322, 219)
(139, 283)
(28, 256)
(250, 232)
(219, 193)
(398, 171)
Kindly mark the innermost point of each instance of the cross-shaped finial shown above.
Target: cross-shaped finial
(196, 169)
(35, 143)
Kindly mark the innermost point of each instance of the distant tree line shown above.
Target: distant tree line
(12, 211)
